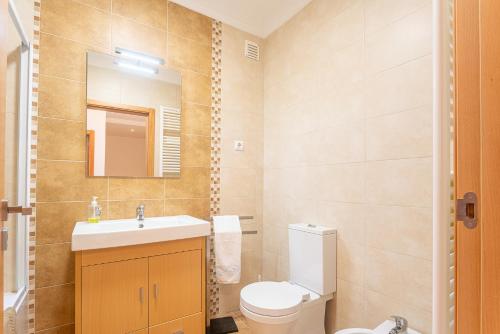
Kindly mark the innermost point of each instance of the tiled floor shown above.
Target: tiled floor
(240, 322)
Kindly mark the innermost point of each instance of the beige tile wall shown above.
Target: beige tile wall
(241, 172)
(68, 29)
(347, 122)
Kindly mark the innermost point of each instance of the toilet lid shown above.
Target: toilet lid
(274, 299)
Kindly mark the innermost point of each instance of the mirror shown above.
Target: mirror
(133, 116)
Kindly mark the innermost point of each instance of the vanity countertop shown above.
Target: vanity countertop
(126, 232)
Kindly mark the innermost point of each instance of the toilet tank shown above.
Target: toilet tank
(313, 257)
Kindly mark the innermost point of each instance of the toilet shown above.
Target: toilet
(296, 306)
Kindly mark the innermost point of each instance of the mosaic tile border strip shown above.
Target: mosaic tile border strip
(33, 168)
(212, 288)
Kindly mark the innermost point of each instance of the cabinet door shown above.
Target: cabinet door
(114, 297)
(189, 325)
(174, 286)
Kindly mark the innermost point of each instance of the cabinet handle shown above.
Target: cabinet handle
(179, 332)
(156, 290)
(141, 295)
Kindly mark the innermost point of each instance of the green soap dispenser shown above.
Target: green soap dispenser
(94, 211)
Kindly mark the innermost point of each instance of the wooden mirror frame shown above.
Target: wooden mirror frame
(127, 109)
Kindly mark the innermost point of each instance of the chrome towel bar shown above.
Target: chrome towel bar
(246, 218)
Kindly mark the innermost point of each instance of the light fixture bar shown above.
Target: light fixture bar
(142, 57)
(136, 67)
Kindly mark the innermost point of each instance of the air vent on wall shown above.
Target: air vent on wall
(252, 50)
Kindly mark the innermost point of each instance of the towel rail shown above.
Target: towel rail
(246, 218)
(207, 315)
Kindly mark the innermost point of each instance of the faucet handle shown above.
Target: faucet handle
(140, 212)
(401, 323)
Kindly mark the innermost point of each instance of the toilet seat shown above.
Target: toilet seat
(265, 319)
(271, 299)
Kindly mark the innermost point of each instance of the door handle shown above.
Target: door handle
(156, 290)
(5, 210)
(5, 238)
(467, 210)
(141, 295)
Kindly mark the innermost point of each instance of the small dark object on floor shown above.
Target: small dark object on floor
(222, 326)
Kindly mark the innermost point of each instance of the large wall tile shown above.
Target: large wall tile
(127, 209)
(58, 306)
(405, 87)
(135, 188)
(131, 35)
(104, 5)
(55, 221)
(61, 98)
(380, 13)
(195, 151)
(339, 144)
(343, 30)
(402, 41)
(75, 21)
(193, 183)
(186, 23)
(148, 12)
(196, 88)
(342, 183)
(196, 119)
(350, 303)
(406, 182)
(350, 220)
(61, 140)
(379, 305)
(238, 182)
(407, 134)
(66, 181)
(402, 230)
(55, 265)
(402, 277)
(65, 329)
(351, 260)
(188, 54)
(196, 207)
(62, 58)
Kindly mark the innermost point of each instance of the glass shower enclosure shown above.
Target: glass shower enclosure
(16, 147)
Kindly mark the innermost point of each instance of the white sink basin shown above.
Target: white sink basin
(126, 232)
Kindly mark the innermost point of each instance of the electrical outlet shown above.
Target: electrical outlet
(239, 145)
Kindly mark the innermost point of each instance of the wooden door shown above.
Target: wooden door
(4, 17)
(477, 75)
(175, 286)
(115, 297)
(467, 164)
(490, 165)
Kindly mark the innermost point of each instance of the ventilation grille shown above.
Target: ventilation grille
(252, 50)
(170, 141)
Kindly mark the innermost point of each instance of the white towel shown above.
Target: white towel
(227, 245)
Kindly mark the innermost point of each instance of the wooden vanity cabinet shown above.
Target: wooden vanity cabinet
(174, 289)
(154, 288)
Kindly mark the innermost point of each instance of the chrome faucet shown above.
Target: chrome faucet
(140, 215)
(401, 325)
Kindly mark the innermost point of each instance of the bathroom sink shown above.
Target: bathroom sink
(126, 232)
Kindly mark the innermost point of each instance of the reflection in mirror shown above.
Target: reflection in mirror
(133, 117)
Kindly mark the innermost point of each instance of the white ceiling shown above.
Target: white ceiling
(258, 17)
